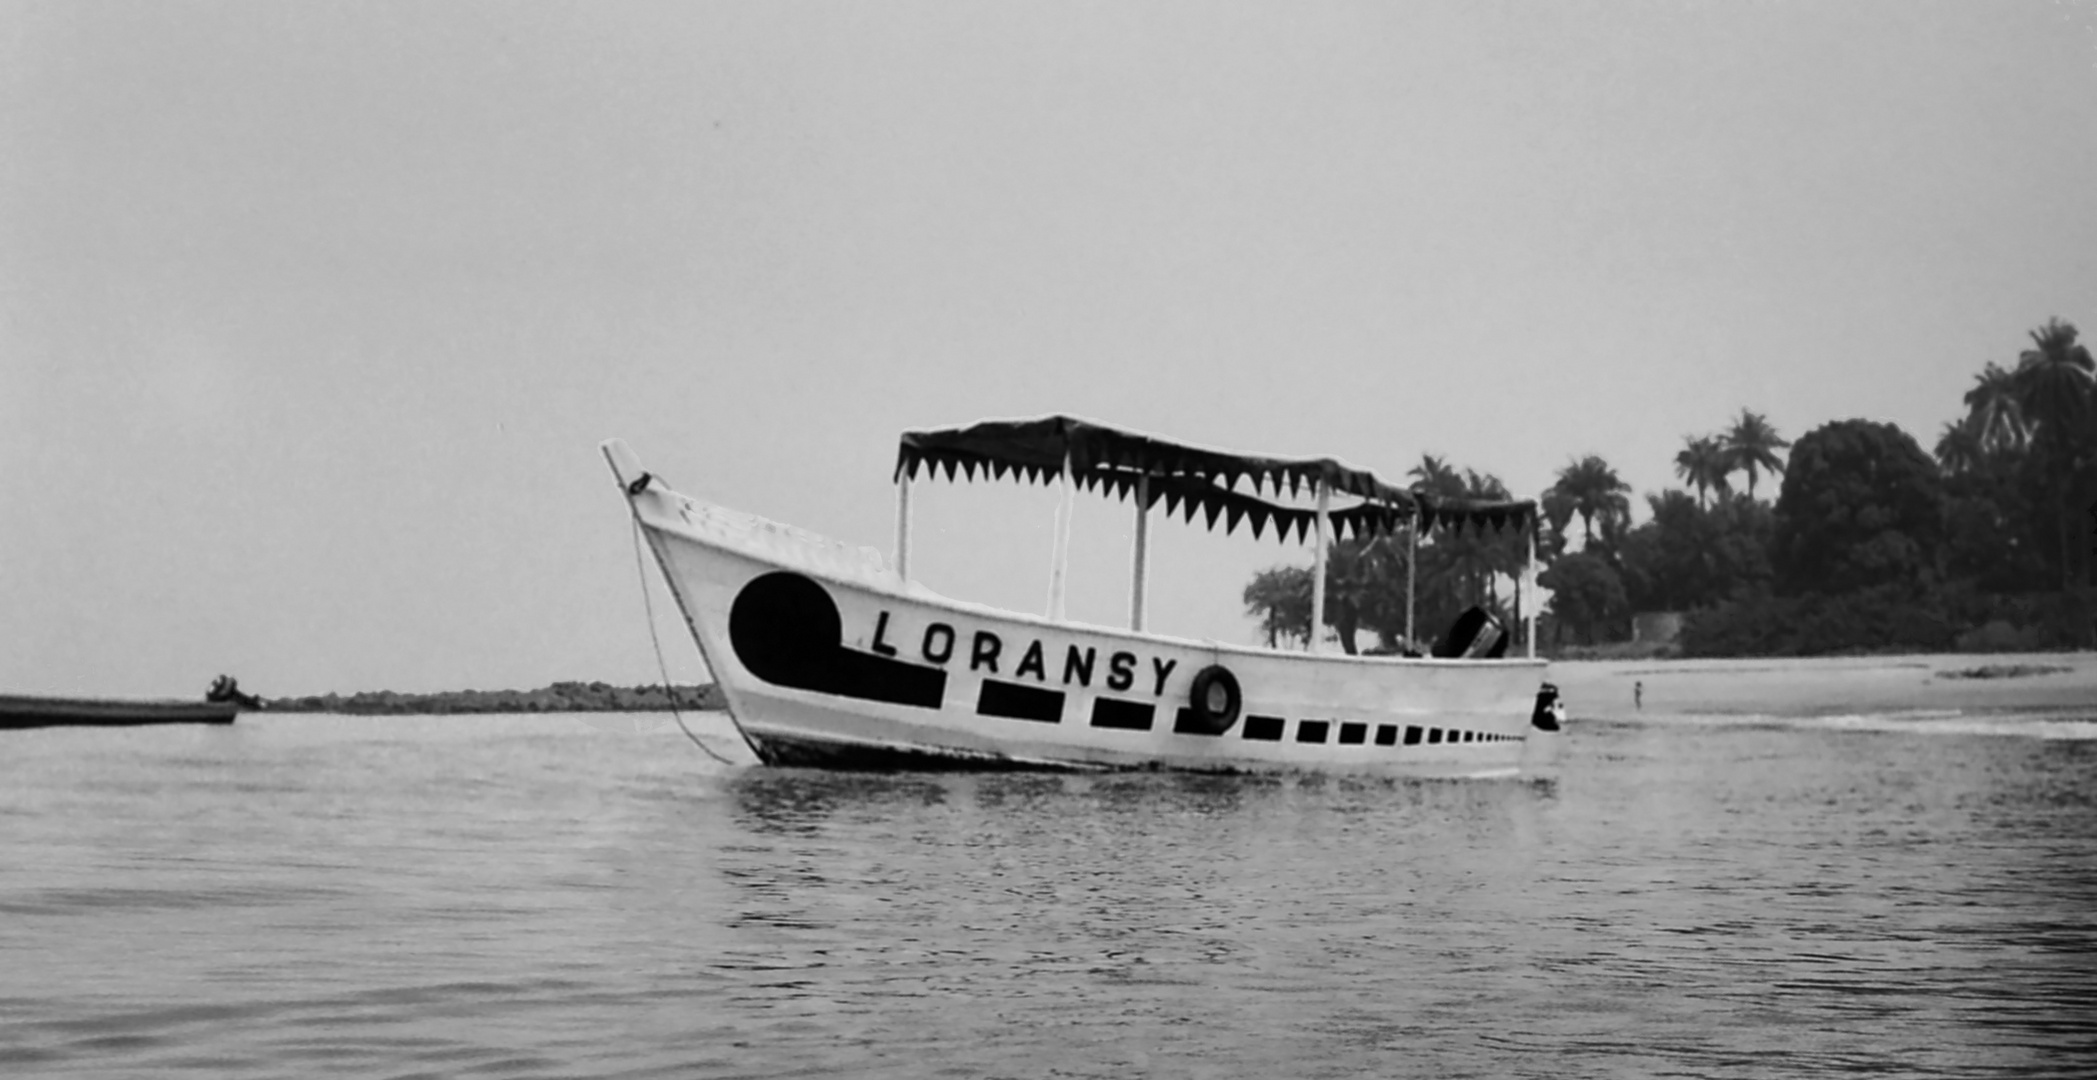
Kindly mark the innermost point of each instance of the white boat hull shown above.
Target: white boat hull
(826, 659)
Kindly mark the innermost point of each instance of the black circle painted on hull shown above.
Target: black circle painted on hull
(1214, 699)
(784, 628)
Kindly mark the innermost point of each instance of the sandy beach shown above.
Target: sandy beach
(1827, 685)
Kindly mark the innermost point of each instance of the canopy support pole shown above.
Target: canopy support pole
(1412, 556)
(1061, 554)
(1529, 594)
(1139, 572)
(903, 528)
(1318, 569)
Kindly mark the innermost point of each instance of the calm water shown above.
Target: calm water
(590, 896)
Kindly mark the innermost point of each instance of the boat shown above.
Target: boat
(831, 656)
(220, 705)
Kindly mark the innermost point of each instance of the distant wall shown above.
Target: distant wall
(1656, 627)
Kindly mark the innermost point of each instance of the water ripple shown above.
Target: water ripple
(543, 897)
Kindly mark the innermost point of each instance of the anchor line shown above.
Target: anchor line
(669, 691)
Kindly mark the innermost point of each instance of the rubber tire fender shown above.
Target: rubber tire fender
(1214, 700)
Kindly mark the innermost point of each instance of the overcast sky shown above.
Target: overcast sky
(312, 316)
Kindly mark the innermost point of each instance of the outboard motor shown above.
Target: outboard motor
(1474, 635)
(1550, 710)
(227, 688)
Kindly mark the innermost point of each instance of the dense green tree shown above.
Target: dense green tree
(1870, 543)
(2019, 464)
(1861, 506)
(1743, 532)
(1662, 561)
(1687, 556)
(1587, 596)
(1751, 445)
(1884, 617)
(1991, 510)
(1995, 495)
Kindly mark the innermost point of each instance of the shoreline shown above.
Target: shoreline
(1597, 689)
(560, 697)
(1829, 685)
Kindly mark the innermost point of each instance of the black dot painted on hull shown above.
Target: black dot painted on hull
(786, 630)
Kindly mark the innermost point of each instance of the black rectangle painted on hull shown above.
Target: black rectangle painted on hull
(1265, 728)
(1125, 715)
(1185, 723)
(1352, 734)
(1412, 734)
(1311, 730)
(1017, 702)
(1386, 734)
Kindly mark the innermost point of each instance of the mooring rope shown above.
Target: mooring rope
(669, 691)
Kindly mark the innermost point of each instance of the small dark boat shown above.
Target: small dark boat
(219, 706)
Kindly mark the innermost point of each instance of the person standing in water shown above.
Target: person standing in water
(1638, 694)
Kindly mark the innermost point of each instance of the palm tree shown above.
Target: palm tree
(2053, 384)
(1593, 488)
(1486, 557)
(1435, 476)
(1557, 511)
(2052, 381)
(1364, 587)
(1432, 476)
(1995, 410)
(1961, 448)
(1280, 598)
(1751, 444)
(1702, 464)
(1459, 566)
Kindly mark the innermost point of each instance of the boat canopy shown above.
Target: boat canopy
(1190, 479)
